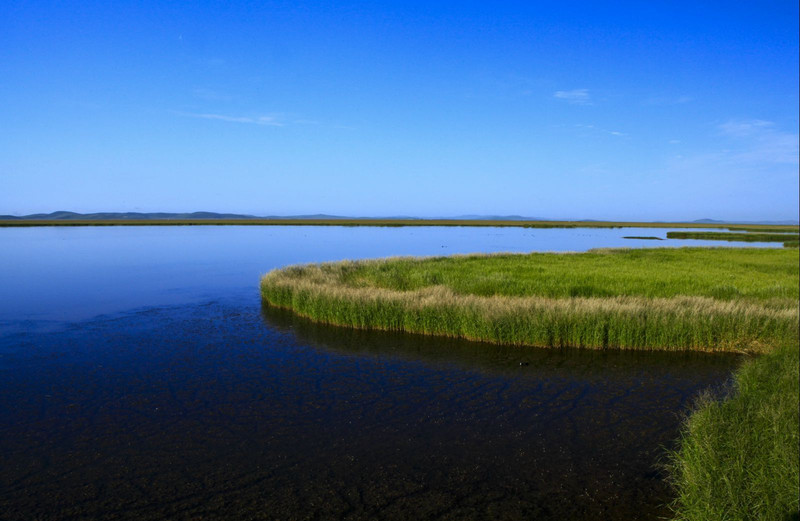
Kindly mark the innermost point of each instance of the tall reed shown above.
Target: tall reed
(415, 295)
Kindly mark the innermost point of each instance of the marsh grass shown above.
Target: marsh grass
(742, 300)
(725, 236)
(738, 457)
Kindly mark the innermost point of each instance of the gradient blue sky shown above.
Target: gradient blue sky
(644, 110)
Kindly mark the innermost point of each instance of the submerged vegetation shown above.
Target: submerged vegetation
(742, 300)
(738, 458)
(787, 240)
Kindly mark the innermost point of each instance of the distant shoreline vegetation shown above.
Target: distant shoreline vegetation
(789, 241)
(222, 220)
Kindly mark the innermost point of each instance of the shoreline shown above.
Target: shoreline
(16, 223)
(749, 436)
(618, 298)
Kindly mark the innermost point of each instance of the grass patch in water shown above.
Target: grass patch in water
(726, 236)
(742, 300)
(643, 237)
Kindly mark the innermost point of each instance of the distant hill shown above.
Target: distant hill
(716, 221)
(495, 218)
(64, 215)
(709, 221)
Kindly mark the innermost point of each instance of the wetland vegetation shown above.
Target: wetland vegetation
(738, 457)
(738, 454)
(387, 222)
(742, 300)
(787, 240)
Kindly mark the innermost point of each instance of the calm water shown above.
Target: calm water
(140, 378)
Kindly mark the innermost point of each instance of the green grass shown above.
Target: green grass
(742, 300)
(738, 458)
(386, 222)
(723, 236)
(779, 228)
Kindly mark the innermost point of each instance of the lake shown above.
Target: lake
(141, 378)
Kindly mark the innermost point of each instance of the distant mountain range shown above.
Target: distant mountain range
(65, 215)
(715, 221)
(496, 218)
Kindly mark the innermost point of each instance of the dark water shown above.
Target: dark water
(149, 383)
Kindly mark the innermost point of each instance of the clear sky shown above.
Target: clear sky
(643, 110)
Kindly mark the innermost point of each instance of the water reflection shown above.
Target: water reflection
(502, 360)
(218, 411)
(575, 434)
(66, 274)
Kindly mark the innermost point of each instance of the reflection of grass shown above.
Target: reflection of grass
(741, 237)
(738, 458)
(686, 298)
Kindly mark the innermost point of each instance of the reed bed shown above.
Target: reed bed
(725, 236)
(741, 300)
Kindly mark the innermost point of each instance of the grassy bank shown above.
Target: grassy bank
(785, 238)
(386, 222)
(742, 300)
(738, 458)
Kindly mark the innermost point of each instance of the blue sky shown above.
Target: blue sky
(562, 110)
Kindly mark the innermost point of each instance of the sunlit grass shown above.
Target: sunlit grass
(738, 458)
(742, 300)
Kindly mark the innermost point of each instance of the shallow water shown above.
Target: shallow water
(140, 378)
